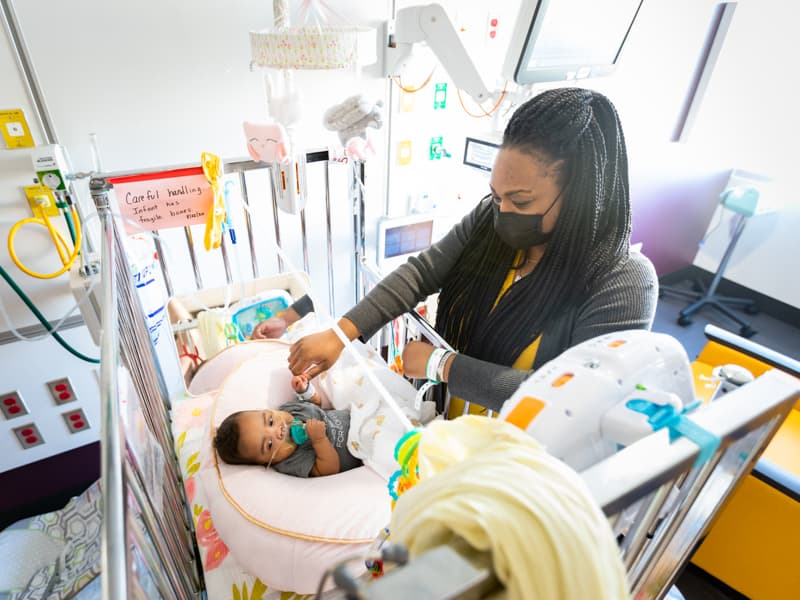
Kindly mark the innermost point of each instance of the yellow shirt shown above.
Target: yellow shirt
(524, 362)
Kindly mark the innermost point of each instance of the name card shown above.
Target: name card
(176, 198)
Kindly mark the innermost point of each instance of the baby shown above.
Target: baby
(300, 438)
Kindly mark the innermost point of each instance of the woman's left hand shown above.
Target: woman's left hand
(415, 359)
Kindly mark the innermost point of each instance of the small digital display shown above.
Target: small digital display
(480, 153)
(406, 239)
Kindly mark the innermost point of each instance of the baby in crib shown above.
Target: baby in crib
(300, 438)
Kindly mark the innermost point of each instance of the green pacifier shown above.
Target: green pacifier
(297, 429)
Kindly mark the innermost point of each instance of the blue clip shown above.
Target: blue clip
(227, 223)
(678, 425)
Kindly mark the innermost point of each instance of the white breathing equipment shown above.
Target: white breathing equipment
(584, 404)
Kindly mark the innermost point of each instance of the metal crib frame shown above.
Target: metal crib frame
(151, 549)
(147, 549)
(658, 542)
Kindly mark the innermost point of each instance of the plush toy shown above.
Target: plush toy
(350, 118)
(267, 142)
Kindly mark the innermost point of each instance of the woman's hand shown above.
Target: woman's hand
(269, 329)
(415, 359)
(315, 353)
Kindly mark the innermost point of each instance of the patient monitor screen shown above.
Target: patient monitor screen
(406, 239)
(581, 32)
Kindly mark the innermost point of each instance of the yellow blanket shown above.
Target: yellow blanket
(486, 482)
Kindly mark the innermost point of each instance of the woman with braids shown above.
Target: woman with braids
(542, 263)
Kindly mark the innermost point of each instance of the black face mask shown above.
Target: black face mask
(521, 231)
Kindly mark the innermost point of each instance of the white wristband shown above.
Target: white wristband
(308, 394)
(442, 362)
(433, 363)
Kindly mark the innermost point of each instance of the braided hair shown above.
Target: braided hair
(580, 130)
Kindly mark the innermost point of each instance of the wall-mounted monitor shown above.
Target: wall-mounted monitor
(401, 237)
(563, 40)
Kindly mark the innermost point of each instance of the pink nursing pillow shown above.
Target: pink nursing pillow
(285, 530)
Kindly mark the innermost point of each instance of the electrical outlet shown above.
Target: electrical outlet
(61, 390)
(12, 405)
(28, 436)
(76, 421)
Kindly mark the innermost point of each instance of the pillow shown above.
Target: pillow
(285, 530)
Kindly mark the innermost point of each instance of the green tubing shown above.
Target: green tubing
(70, 226)
(45, 323)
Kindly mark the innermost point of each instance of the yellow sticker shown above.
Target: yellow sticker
(15, 129)
(42, 195)
(406, 101)
(404, 152)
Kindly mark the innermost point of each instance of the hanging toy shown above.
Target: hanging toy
(350, 120)
(297, 429)
(405, 453)
(212, 169)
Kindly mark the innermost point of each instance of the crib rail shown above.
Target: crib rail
(666, 529)
(681, 497)
(147, 544)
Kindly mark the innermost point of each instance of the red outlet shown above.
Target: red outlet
(28, 436)
(76, 421)
(12, 405)
(492, 24)
(61, 390)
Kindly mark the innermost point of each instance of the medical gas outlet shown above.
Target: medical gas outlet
(437, 149)
(50, 165)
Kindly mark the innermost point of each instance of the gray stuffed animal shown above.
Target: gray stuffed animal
(351, 117)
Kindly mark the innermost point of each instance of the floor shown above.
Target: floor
(693, 583)
(771, 332)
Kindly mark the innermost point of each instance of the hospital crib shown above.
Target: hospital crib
(148, 546)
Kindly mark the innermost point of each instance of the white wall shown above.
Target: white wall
(748, 119)
(745, 122)
(158, 83)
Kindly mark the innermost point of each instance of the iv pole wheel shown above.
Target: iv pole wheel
(747, 332)
(752, 309)
(684, 320)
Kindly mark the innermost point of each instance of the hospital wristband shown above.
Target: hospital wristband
(432, 365)
(442, 362)
(308, 394)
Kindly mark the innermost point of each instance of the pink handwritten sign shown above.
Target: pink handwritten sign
(167, 199)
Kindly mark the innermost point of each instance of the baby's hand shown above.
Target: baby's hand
(269, 329)
(300, 383)
(315, 429)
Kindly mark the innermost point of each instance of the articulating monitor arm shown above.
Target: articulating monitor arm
(430, 24)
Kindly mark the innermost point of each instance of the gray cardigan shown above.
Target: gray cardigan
(625, 298)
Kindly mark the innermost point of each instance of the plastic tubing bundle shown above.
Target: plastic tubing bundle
(485, 482)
